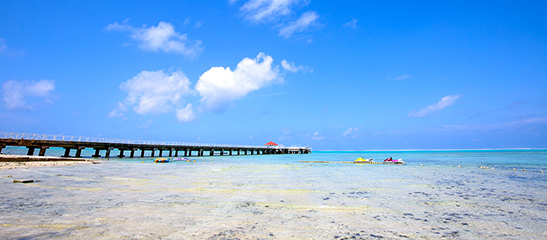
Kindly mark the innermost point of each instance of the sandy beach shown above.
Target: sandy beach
(21, 161)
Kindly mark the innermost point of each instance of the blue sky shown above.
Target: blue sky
(344, 75)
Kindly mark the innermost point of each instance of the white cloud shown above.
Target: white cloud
(145, 125)
(186, 114)
(3, 45)
(186, 21)
(267, 10)
(521, 124)
(118, 112)
(303, 23)
(291, 67)
(442, 104)
(402, 77)
(316, 136)
(350, 131)
(352, 24)
(5, 50)
(15, 92)
(281, 13)
(153, 92)
(160, 38)
(220, 86)
(398, 77)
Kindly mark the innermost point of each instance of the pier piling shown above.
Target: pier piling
(45, 142)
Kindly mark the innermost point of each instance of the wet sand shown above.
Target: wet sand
(22, 161)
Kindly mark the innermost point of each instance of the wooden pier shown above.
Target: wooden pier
(103, 147)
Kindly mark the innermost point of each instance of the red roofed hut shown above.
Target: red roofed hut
(271, 144)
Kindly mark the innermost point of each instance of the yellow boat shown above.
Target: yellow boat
(363, 159)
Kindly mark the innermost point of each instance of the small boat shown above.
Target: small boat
(363, 159)
(390, 160)
(179, 159)
(161, 160)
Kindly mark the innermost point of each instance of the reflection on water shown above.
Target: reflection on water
(278, 197)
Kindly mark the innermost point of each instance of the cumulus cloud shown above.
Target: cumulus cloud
(186, 114)
(291, 67)
(153, 92)
(442, 104)
(160, 38)
(16, 93)
(303, 23)
(219, 86)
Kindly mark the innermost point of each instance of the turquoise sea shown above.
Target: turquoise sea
(448, 194)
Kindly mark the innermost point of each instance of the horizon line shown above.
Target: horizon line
(466, 149)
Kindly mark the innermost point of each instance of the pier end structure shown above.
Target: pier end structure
(163, 149)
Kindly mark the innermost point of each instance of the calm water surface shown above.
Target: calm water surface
(436, 195)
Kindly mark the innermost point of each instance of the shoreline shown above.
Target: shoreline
(22, 161)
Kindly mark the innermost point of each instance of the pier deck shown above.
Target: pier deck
(130, 147)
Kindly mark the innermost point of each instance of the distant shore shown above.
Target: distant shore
(8, 161)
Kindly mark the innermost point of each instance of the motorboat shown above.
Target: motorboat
(162, 160)
(363, 159)
(390, 160)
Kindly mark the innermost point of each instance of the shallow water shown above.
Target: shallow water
(437, 194)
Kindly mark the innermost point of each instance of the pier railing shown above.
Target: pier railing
(49, 137)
